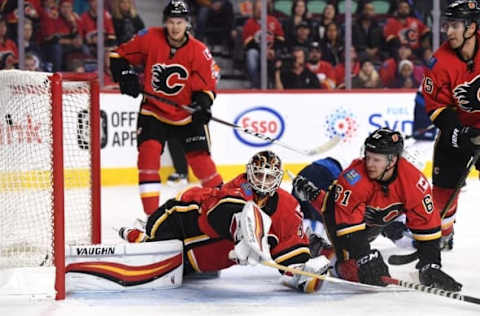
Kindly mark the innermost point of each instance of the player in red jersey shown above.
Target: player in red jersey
(213, 225)
(367, 196)
(451, 87)
(179, 69)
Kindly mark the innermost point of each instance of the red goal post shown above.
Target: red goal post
(49, 174)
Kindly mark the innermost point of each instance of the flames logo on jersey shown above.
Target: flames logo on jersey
(161, 74)
(468, 95)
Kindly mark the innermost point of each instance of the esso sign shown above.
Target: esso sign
(262, 120)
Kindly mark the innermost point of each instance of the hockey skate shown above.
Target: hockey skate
(177, 179)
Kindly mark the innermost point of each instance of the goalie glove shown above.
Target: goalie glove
(307, 284)
(132, 235)
(249, 229)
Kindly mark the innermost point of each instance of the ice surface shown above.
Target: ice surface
(256, 290)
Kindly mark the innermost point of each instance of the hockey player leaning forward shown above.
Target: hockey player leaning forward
(367, 196)
(451, 89)
(180, 69)
(248, 220)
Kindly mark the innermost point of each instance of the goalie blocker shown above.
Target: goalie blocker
(122, 267)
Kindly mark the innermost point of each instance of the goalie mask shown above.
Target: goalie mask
(264, 172)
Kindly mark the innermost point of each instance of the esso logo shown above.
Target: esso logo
(260, 120)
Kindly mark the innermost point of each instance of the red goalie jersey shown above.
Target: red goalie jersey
(451, 82)
(171, 73)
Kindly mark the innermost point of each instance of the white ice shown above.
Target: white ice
(256, 291)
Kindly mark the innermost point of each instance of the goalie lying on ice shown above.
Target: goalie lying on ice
(249, 220)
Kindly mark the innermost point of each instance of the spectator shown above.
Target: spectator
(328, 17)
(60, 29)
(299, 14)
(215, 22)
(32, 63)
(389, 69)
(126, 21)
(340, 68)
(7, 61)
(7, 46)
(404, 29)
(89, 27)
(302, 36)
(251, 42)
(9, 8)
(296, 76)
(76, 66)
(367, 34)
(367, 77)
(31, 46)
(323, 69)
(405, 80)
(333, 45)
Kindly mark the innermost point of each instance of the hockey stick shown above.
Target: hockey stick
(404, 259)
(318, 150)
(431, 290)
(364, 286)
(420, 131)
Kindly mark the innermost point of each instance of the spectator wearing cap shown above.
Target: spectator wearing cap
(367, 77)
(299, 14)
(405, 78)
(126, 21)
(389, 69)
(367, 36)
(403, 29)
(7, 46)
(251, 41)
(297, 75)
(323, 69)
(88, 28)
(302, 36)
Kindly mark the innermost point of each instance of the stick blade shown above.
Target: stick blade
(398, 260)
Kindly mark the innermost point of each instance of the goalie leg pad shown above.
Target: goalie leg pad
(122, 267)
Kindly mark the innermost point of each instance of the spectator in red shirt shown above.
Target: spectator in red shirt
(7, 46)
(404, 29)
(323, 69)
(340, 68)
(251, 42)
(9, 8)
(88, 28)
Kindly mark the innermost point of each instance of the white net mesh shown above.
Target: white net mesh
(26, 203)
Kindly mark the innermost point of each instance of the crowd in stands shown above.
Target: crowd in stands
(305, 39)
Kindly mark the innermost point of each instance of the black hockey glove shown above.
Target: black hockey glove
(431, 275)
(304, 190)
(202, 113)
(371, 268)
(126, 76)
(394, 231)
(467, 138)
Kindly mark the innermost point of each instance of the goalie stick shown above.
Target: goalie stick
(404, 259)
(431, 290)
(315, 151)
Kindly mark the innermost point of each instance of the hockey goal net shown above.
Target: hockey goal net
(49, 175)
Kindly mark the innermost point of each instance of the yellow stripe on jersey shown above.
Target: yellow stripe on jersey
(351, 229)
(193, 261)
(227, 200)
(182, 122)
(436, 113)
(425, 237)
(150, 194)
(165, 215)
(291, 254)
(195, 239)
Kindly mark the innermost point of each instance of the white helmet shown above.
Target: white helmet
(264, 172)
